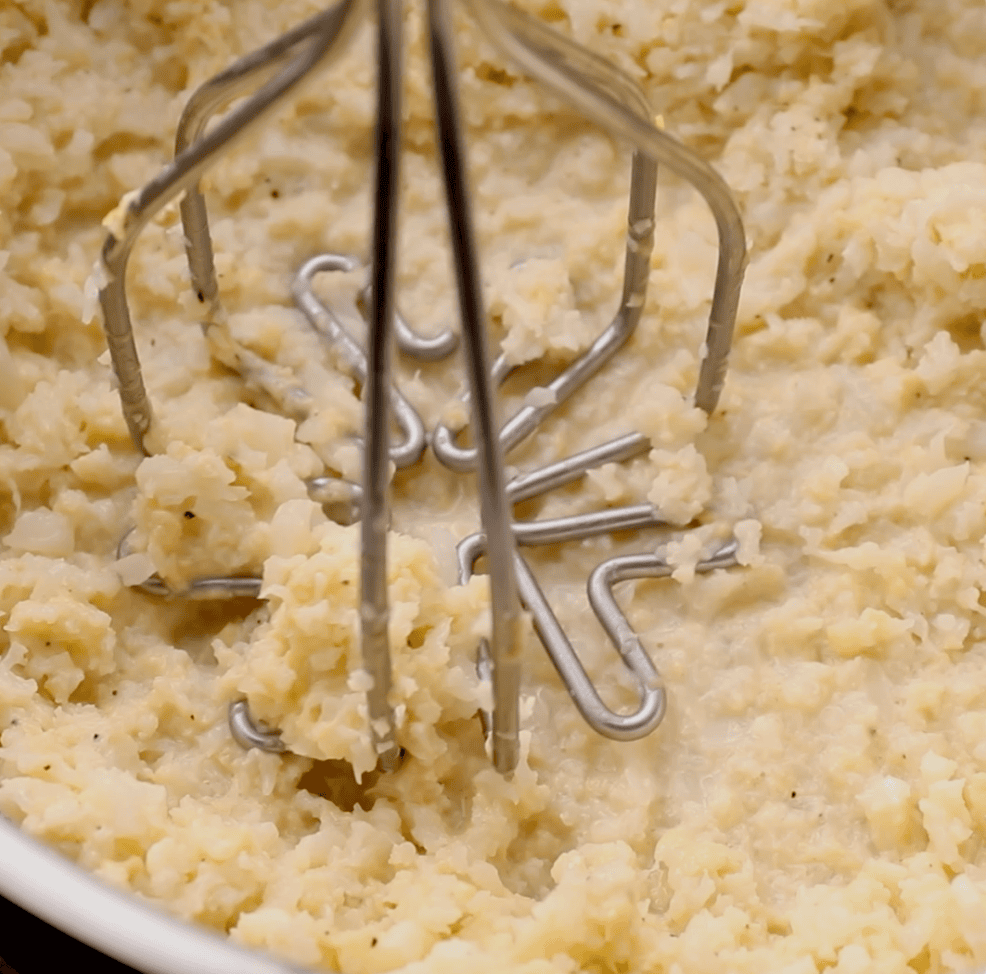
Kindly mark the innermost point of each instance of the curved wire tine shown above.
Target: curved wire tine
(598, 90)
(494, 504)
(249, 733)
(625, 567)
(553, 531)
(328, 31)
(411, 342)
(341, 500)
(653, 701)
(639, 244)
(601, 718)
(327, 326)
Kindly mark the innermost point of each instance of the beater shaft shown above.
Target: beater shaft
(495, 510)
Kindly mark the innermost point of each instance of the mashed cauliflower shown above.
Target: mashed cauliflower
(815, 799)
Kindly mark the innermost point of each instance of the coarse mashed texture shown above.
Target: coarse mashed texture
(815, 799)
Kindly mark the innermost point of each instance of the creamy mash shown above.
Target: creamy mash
(816, 797)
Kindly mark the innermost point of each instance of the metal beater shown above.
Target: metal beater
(603, 95)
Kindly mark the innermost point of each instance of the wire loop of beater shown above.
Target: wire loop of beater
(328, 326)
(597, 714)
(604, 95)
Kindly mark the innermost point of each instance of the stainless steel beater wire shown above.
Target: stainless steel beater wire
(329, 29)
(374, 610)
(570, 468)
(247, 734)
(573, 74)
(325, 323)
(212, 97)
(581, 689)
(639, 245)
(495, 507)
(603, 719)
(409, 341)
(625, 567)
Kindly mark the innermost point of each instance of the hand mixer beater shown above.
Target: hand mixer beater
(603, 95)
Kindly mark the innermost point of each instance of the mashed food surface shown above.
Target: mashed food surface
(815, 799)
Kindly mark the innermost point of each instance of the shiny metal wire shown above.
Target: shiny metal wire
(603, 95)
